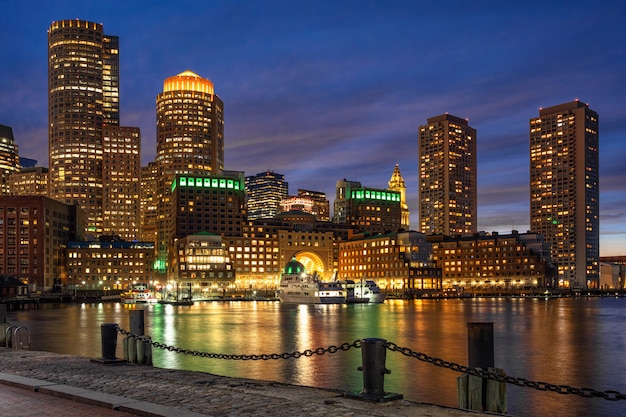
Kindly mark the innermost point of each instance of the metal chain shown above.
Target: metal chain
(488, 374)
(494, 375)
(264, 357)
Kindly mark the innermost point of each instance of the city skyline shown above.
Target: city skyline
(332, 94)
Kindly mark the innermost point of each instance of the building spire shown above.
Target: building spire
(396, 183)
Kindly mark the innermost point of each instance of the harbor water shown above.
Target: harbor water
(579, 342)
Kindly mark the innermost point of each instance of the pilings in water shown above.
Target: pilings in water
(137, 350)
(474, 392)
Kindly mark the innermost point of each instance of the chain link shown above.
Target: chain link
(488, 374)
(264, 357)
(494, 375)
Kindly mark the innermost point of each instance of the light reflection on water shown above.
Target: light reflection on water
(576, 342)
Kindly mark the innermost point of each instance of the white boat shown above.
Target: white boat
(363, 291)
(299, 287)
(138, 293)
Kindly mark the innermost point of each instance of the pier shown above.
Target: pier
(150, 391)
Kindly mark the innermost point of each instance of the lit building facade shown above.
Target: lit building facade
(149, 201)
(447, 176)
(367, 210)
(34, 233)
(121, 193)
(209, 203)
(9, 158)
(399, 262)
(396, 183)
(202, 263)
(190, 139)
(264, 193)
(109, 265)
(83, 85)
(493, 262)
(312, 202)
(564, 190)
(29, 181)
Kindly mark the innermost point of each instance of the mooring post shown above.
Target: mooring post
(373, 356)
(138, 350)
(108, 335)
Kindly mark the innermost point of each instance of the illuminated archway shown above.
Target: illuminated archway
(312, 262)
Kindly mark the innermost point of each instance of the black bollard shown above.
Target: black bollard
(373, 356)
(108, 334)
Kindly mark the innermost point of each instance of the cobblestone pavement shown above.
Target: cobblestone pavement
(18, 402)
(195, 393)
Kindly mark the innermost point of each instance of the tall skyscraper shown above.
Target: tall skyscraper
(9, 158)
(265, 191)
(149, 199)
(83, 85)
(447, 177)
(564, 190)
(396, 183)
(190, 139)
(121, 200)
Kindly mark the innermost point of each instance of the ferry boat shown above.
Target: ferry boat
(299, 287)
(138, 293)
(363, 291)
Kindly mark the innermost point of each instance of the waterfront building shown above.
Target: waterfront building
(315, 250)
(202, 263)
(34, 233)
(9, 158)
(447, 177)
(493, 262)
(313, 202)
(615, 266)
(83, 95)
(109, 264)
(209, 203)
(264, 193)
(148, 203)
(29, 181)
(367, 210)
(122, 167)
(190, 140)
(399, 262)
(564, 190)
(255, 256)
(396, 183)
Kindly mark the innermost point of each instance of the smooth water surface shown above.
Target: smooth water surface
(575, 342)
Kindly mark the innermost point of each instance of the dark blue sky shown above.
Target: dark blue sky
(325, 90)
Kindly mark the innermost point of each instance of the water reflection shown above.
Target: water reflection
(577, 342)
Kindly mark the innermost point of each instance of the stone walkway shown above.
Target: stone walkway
(150, 391)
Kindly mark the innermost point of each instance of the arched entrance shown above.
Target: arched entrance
(312, 262)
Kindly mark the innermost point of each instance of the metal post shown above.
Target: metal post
(108, 334)
(373, 356)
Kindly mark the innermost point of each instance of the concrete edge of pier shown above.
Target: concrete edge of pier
(158, 392)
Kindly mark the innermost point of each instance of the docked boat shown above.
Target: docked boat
(299, 287)
(138, 293)
(362, 291)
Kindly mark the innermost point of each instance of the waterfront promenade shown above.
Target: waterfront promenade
(149, 391)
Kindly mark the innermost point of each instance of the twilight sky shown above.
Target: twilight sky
(325, 90)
